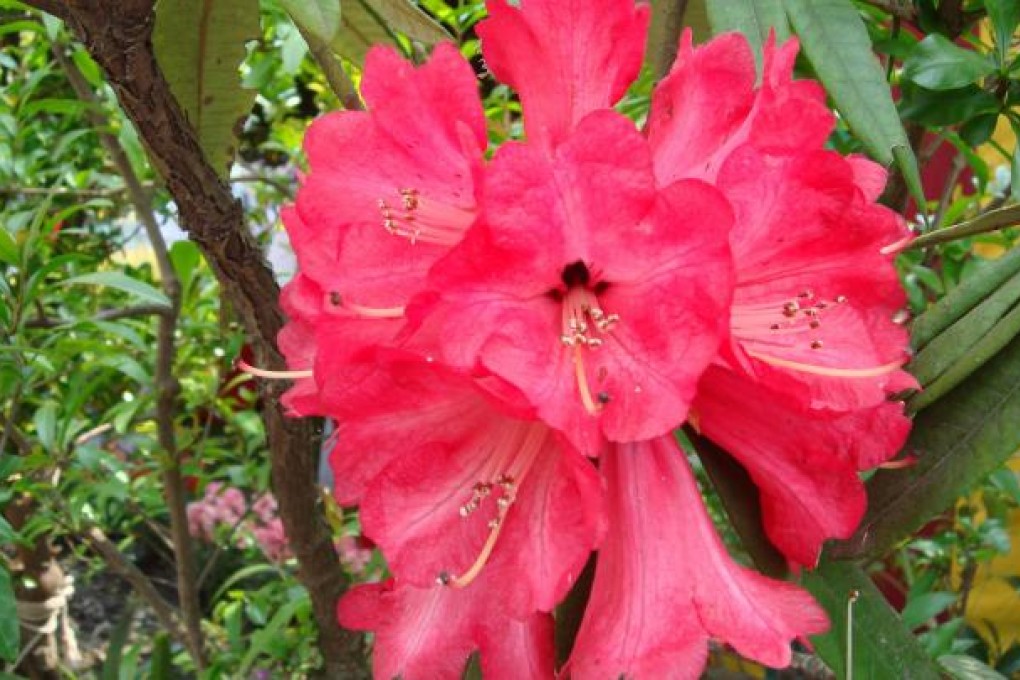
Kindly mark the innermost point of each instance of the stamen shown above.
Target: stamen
(829, 371)
(523, 458)
(421, 220)
(245, 367)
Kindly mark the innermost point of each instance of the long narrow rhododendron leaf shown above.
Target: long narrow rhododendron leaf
(754, 18)
(960, 439)
(836, 41)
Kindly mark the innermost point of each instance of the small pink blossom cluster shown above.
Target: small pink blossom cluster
(221, 508)
(224, 511)
(508, 338)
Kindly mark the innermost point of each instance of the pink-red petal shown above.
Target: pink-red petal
(566, 58)
(651, 612)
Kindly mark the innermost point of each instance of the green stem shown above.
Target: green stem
(990, 221)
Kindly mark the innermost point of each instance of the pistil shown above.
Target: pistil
(583, 322)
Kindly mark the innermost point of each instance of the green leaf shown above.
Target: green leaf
(1014, 180)
(199, 46)
(958, 441)
(7, 533)
(882, 648)
(754, 18)
(9, 634)
(185, 258)
(262, 638)
(976, 356)
(121, 281)
(961, 667)
(368, 22)
(320, 18)
(945, 107)
(1005, 16)
(964, 297)
(957, 341)
(160, 661)
(936, 63)
(8, 248)
(836, 42)
(45, 421)
(923, 608)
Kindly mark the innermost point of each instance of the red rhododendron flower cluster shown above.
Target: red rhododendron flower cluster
(508, 340)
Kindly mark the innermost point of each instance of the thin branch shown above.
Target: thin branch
(901, 9)
(949, 187)
(102, 315)
(167, 386)
(118, 563)
(990, 221)
(336, 76)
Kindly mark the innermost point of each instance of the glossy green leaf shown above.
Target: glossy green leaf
(936, 63)
(9, 634)
(754, 18)
(836, 41)
(45, 421)
(7, 533)
(963, 298)
(320, 18)
(364, 23)
(881, 647)
(958, 441)
(1005, 16)
(960, 667)
(121, 281)
(923, 608)
(199, 46)
(8, 248)
(946, 107)
(955, 342)
(160, 663)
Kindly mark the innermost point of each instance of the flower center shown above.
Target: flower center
(584, 323)
(421, 220)
(508, 465)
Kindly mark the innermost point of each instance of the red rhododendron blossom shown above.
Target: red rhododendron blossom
(479, 329)
(664, 583)
(429, 633)
(390, 189)
(601, 297)
(813, 342)
(454, 486)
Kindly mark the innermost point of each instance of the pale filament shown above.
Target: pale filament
(522, 458)
(245, 367)
(896, 246)
(583, 321)
(373, 312)
(421, 220)
(830, 371)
